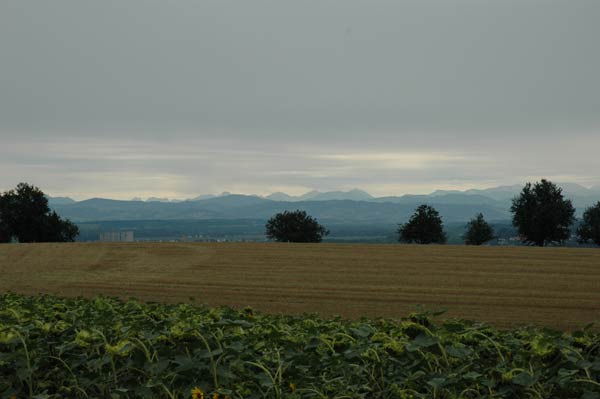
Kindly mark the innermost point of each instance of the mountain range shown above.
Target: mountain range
(354, 206)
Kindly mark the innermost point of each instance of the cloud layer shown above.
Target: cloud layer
(186, 167)
(154, 98)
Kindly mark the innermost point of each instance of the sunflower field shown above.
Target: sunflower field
(53, 347)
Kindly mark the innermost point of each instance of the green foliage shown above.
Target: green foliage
(25, 216)
(295, 226)
(478, 231)
(542, 215)
(424, 227)
(589, 230)
(105, 348)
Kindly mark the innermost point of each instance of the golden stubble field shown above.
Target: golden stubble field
(506, 286)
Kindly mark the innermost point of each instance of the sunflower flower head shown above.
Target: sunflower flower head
(197, 393)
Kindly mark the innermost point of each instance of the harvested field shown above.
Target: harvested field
(507, 286)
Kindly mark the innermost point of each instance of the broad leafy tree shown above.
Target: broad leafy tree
(478, 231)
(25, 216)
(424, 227)
(295, 226)
(59, 230)
(5, 234)
(589, 230)
(542, 215)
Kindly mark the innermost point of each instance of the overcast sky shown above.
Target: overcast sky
(180, 98)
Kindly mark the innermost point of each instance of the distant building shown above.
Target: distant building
(117, 236)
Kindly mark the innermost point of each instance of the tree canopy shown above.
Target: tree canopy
(295, 226)
(542, 215)
(424, 227)
(478, 231)
(589, 230)
(26, 217)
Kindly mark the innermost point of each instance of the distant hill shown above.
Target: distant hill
(501, 193)
(155, 199)
(203, 197)
(355, 206)
(279, 196)
(60, 200)
(241, 207)
(209, 196)
(449, 198)
(581, 196)
(353, 195)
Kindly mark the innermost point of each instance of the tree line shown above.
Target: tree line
(541, 215)
(540, 212)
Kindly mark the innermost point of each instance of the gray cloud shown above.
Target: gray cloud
(178, 98)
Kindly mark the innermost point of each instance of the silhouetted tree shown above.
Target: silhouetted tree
(5, 234)
(541, 214)
(478, 231)
(295, 226)
(59, 230)
(589, 230)
(25, 215)
(424, 227)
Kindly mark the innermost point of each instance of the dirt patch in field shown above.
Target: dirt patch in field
(557, 287)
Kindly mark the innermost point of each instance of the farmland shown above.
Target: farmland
(55, 348)
(77, 344)
(556, 287)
